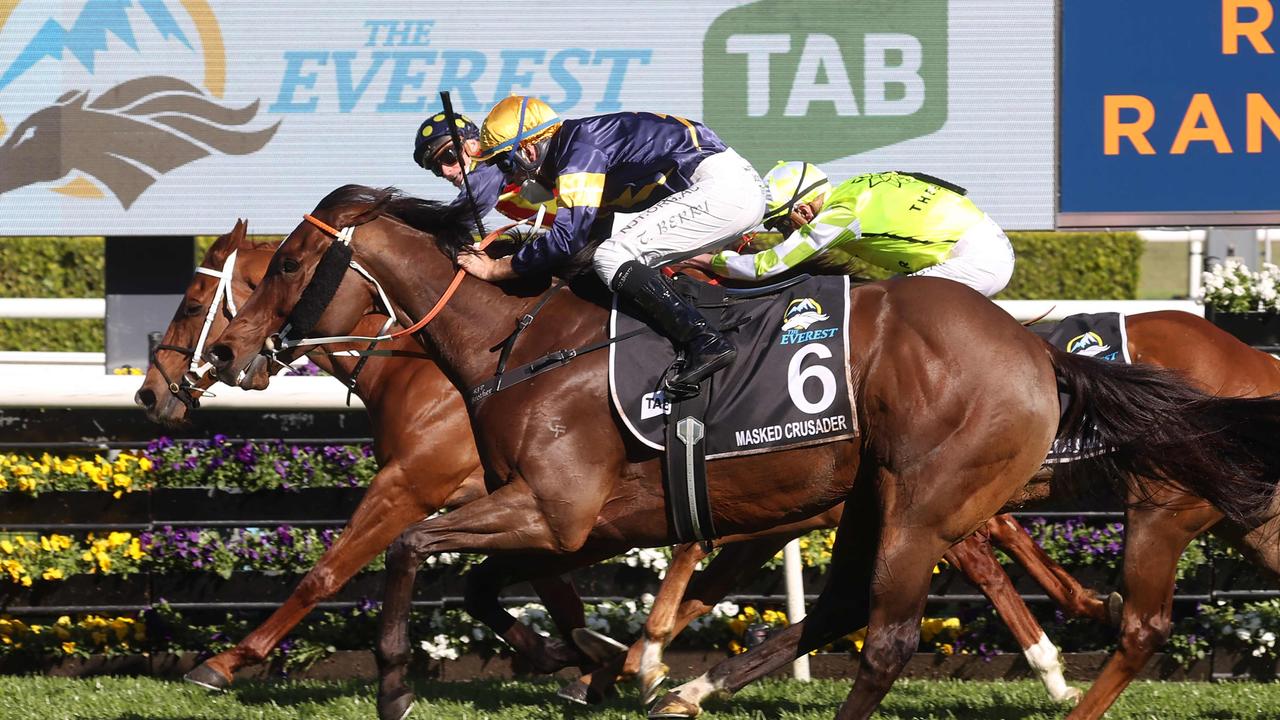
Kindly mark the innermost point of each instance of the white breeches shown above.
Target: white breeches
(725, 200)
(981, 259)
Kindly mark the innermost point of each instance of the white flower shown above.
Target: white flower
(440, 648)
(725, 609)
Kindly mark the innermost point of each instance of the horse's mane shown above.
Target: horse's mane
(448, 223)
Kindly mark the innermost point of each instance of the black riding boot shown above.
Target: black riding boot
(705, 349)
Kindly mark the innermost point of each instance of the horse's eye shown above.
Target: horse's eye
(289, 265)
(194, 309)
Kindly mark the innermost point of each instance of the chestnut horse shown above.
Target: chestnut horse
(422, 440)
(232, 267)
(956, 406)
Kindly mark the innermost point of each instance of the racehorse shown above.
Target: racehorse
(233, 266)
(956, 405)
(422, 440)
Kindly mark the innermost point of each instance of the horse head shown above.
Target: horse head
(171, 389)
(303, 293)
(127, 137)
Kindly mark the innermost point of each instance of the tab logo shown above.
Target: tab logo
(820, 81)
(654, 404)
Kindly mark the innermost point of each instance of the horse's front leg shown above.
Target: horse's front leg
(389, 506)
(511, 519)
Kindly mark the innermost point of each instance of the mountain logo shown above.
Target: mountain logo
(835, 79)
(117, 135)
(801, 313)
(1089, 344)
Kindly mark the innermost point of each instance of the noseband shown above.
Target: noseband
(182, 388)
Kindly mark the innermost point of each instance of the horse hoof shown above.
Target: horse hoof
(1071, 697)
(1115, 608)
(651, 685)
(674, 706)
(208, 678)
(397, 708)
(600, 648)
(579, 693)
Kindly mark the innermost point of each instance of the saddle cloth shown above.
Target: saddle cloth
(788, 387)
(1100, 335)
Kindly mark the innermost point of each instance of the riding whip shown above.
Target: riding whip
(450, 119)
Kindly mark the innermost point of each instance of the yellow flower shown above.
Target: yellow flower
(27, 484)
(116, 539)
(858, 637)
(26, 581)
(6, 546)
(52, 574)
(68, 647)
(144, 464)
(135, 549)
(946, 649)
(20, 470)
(122, 480)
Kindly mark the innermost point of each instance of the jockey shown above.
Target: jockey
(902, 222)
(433, 150)
(691, 193)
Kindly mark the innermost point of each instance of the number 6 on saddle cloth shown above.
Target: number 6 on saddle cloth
(794, 339)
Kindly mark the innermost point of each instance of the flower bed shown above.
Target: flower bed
(271, 484)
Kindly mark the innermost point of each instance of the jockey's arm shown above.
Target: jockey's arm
(830, 227)
(580, 189)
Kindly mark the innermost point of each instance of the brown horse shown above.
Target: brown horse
(956, 404)
(1158, 527)
(233, 266)
(427, 459)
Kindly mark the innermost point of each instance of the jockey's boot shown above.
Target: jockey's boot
(705, 349)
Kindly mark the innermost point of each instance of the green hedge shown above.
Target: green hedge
(1050, 266)
(1075, 266)
(51, 267)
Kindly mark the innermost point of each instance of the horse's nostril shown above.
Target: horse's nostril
(145, 398)
(221, 356)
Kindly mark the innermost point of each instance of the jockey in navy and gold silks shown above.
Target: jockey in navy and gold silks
(690, 193)
(433, 150)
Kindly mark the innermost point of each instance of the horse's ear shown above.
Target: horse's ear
(239, 232)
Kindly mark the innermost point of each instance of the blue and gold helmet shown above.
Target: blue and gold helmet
(433, 134)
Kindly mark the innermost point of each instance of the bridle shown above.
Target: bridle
(280, 341)
(183, 387)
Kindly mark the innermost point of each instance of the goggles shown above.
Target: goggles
(447, 156)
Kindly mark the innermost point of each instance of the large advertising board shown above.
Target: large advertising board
(170, 117)
(1169, 113)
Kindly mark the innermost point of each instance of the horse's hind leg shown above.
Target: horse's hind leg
(973, 557)
(546, 655)
(840, 609)
(1154, 539)
(1075, 599)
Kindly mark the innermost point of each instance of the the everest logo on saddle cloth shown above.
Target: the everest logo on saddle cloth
(788, 387)
(1099, 335)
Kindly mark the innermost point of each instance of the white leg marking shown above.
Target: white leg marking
(1043, 658)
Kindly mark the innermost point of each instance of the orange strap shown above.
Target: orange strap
(448, 293)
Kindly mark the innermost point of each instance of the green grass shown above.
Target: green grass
(112, 698)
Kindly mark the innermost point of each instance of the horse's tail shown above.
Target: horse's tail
(1159, 429)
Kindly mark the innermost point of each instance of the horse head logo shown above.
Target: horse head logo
(802, 313)
(127, 137)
